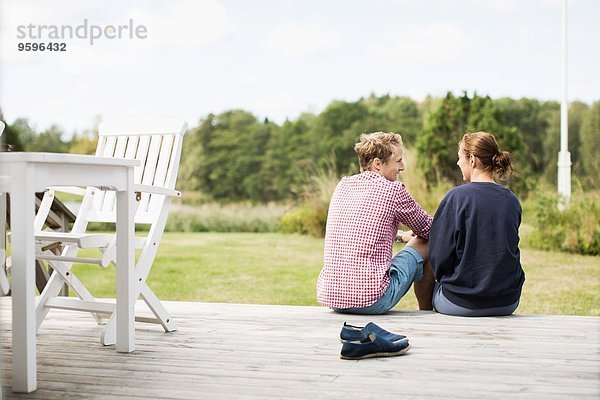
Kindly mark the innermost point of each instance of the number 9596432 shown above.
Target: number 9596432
(35, 46)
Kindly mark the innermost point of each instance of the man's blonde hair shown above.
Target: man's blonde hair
(376, 145)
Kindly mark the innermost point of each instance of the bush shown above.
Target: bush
(574, 230)
(310, 217)
(306, 220)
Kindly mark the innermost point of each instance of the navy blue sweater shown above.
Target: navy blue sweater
(474, 246)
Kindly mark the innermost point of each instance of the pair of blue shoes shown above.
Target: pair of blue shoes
(370, 341)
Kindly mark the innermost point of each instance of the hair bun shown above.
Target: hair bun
(496, 160)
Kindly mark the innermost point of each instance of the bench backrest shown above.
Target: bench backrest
(157, 144)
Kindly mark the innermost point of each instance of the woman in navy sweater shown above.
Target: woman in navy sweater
(474, 238)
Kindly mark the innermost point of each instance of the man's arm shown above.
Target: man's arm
(411, 214)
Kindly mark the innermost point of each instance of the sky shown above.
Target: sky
(279, 58)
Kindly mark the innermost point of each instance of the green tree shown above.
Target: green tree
(426, 108)
(589, 147)
(86, 141)
(256, 179)
(288, 158)
(10, 138)
(192, 154)
(578, 113)
(456, 116)
(530, 117)
(16, 134)
(395, 114)
(336, 130)
(228, 151)
(551, 143)
(26, 133)
(437, 145)
(49, 140)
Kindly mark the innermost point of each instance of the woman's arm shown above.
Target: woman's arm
(442, 240)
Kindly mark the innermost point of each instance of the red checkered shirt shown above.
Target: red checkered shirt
(362, 224)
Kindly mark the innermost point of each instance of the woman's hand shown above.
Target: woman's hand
(404, 236)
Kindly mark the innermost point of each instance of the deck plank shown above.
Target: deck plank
(257, 351)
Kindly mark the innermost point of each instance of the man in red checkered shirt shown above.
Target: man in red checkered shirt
(359, 274)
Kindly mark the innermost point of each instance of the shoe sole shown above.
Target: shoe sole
(397, 341)
(373, 355)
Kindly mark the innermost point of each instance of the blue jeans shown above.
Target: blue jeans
(444, 306)
(407, 267)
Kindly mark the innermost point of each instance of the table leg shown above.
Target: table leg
(23, 283)
(4, 284)
(125, 268)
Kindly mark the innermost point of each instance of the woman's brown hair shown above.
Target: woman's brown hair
(484, 146)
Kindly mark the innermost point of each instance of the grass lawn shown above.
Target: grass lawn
(274, 268)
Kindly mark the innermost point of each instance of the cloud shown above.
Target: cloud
(82, 88)
(424, 44)
(99, 60)
(43, 12)
(502, 5)
(302, 40)
(246, 78)
(528, 37)
(187, 23)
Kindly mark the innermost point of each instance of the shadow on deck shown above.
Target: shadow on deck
(259, 351)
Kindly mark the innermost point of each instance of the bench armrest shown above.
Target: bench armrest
(68, 189)
(156, 190)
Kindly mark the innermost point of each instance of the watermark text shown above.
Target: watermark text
(89, 32)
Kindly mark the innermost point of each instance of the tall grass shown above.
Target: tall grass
(575, 229)
(214, 217)
(428, 196)
(310, 216)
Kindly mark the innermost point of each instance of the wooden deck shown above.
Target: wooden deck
(281, 352)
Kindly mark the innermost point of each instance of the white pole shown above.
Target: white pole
(564, 157)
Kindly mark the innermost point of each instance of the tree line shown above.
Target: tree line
(234, 156)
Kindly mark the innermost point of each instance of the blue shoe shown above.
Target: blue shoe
(356, 333)
(372, 346)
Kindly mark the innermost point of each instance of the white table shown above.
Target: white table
(33, 172)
